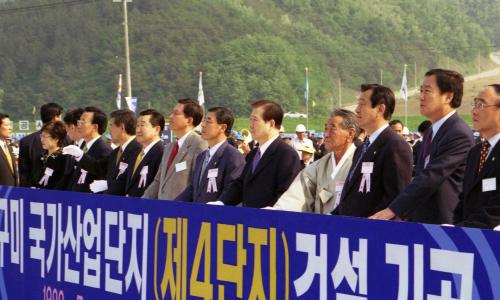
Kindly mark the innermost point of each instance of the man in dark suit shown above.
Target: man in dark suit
(217, 167)
(270, 168)
(30, 147)
(479, 204)
(8, 167)
(432, 195)
(71, 119)
(141, 173)
(382, 165)
(91, 126)
(122, 130)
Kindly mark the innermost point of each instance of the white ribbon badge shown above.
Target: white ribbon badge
(121, 169)
(45, 179)
(212, 184)
(366, 170)
(83, 175)
(339, 186)
(144, 175)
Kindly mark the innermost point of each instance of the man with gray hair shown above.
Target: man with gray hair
(318, 187)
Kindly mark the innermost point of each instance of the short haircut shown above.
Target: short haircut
(49, 111)
(156, 118)
(125, 117)
(394, 122)
(348, 120)
(449, 81)
(99, 118)
(424, 126)
(72, 116)
(56, 130)
(272, 111)
(3, 116)
(224, 116)
(381, 95)
(496, 87)
(192, 110)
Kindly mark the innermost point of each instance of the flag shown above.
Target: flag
(313, 103)
(33, 112)
(119, 93)
(403, 92)
(201, 96)
(131, 103)
(306, 89)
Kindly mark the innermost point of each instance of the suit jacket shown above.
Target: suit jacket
(433, 194)
(152, 160)
(168, 184)
(57, 163)
(392, 167)
(477, 208)
(107, 165)
(7, 176)
(98, 150)
(274, 173)
(314, 190)
(30, 163)
(228, 162)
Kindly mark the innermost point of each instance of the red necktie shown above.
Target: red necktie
(172, 155)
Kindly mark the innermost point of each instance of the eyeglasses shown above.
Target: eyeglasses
(480, 105)
(82, 122)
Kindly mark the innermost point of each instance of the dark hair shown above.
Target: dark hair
(156, 118)
(381, 95)
(99, 118)
(224, 116)
(56, 130)
(449, 81)
(272, 111)
(348, 120)
(3, 116)
(394, 122)
(49, 111)
(72, 116)
(496, 87)
(125, 117)
(192, 110)
(422, 128)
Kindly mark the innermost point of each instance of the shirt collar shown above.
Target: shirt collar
(377, 132)
(91, 142)
(124, 146)
(80, 142)
(438, 124)
(148, 147)
(494, 140)
(2, 143)
(337, 166)
(214, 148)
(266, 145)
(181, 141)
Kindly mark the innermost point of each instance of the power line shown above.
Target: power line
(45, 6)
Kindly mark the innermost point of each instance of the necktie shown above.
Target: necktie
(85, 149)
(204, 165)
(138, 161)
(255, 161)
(172, 155)
(118, 156)
(364, 148)
(427, 142)
(485, 147)
(7, 155)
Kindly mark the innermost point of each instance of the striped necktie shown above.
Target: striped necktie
(7, 155)
(138, 161)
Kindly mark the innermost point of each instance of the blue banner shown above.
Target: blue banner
(61, 245)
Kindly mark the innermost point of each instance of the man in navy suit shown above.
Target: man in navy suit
(432, 195)
(122, 130)
(30, 147)
(479, 204)
(8, 167)
(270, 168)
(382, 165)
(91, 126)
(143, 170)
(217, 167)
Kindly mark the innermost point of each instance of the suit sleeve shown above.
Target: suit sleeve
(288, 168)
(234, 169)
(94, 166)
(23, 162)
(152, 190)
(453, 153)
(232, 195)
(294, 199)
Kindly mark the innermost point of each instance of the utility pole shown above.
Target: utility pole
(127, 50)
(340, 93)
(479, 62)
(415, 75)
(381, 77)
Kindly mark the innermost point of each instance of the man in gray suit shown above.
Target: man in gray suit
(179, 157)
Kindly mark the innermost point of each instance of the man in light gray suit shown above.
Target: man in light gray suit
(179, 157)
(318, 187)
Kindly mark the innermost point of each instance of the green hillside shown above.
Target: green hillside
(251, 49)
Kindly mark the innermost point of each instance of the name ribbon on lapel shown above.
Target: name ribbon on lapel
(212, 184)
(366, 170)
(144, 175)
(45, 179)
(83, 175)
(121, 168)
